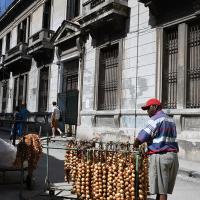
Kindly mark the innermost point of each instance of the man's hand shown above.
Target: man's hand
(136, 143)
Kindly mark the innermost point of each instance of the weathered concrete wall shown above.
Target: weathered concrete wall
(189, 149)
(9, 95)
(13, 39)
(138, 60)
(53, 85)
(36, 20)
(89, 78)
(33, 88)
(58, 13)
(138, 71)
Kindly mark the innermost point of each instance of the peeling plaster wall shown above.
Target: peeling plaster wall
(146, 63)
(89, 77)
(144, 69)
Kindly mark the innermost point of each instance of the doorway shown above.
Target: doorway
(68, 99)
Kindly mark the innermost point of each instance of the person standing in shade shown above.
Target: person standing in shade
(17, 126)
(24, 114)
(55, 116)
(160, 135)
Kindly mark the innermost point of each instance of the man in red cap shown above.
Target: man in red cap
(160, 135)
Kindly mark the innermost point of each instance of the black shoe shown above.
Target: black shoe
(63, 135)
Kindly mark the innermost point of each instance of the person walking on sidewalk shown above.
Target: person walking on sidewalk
(55, 116)
(160, 135)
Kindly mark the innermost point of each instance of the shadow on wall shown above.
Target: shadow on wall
(189, 150)
(108, 136)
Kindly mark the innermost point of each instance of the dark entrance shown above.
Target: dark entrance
(68, 99)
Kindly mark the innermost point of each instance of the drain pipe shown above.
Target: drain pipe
(137, 60)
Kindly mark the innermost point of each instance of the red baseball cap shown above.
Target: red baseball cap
(150, 102)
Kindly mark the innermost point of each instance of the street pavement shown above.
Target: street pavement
(186, 188)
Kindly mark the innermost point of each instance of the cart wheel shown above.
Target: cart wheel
(29, 182)
(51, 192)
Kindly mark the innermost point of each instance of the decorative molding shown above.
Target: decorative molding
(65, 32)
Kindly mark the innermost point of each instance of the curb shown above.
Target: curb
(189, 173)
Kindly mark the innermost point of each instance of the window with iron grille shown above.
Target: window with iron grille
(73, 9)
(108, 78)
(193, 67)
(169, 83)
(43, 89)
(21, 87)
(8, 41)
(47, 15)
(4, 97)
(1, 47)
(15, 93)
(21, 37)
(20, 90)
(70, 76)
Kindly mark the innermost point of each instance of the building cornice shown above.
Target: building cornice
(21, 17)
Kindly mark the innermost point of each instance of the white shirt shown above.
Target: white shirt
(56, 112)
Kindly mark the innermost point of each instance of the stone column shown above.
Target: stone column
(182, 65)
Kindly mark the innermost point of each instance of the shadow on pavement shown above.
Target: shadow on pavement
(56, 175)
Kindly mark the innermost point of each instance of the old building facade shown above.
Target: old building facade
(101, 60)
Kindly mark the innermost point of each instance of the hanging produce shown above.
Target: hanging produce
(106, 172)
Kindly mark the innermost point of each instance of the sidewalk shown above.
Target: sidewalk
(189, 168)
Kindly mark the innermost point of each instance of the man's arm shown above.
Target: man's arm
(145, 134)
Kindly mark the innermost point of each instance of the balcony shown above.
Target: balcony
(40, 45)
(99, 12)
(16, 59)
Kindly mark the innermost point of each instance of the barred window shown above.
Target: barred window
(4, 96)
(20, 87)
(73, 9)
(15, 93)
(108, 78)
(47, 14)
(1, 42)
(43, 89)
(169, 83)
(21, 37)
(193, 67)
(8, 36)
(70, 76)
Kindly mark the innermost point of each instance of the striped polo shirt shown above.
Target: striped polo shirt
(160, 134)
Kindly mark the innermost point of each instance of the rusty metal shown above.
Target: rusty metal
(108, 78)
(193, 67)
(169, 96)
